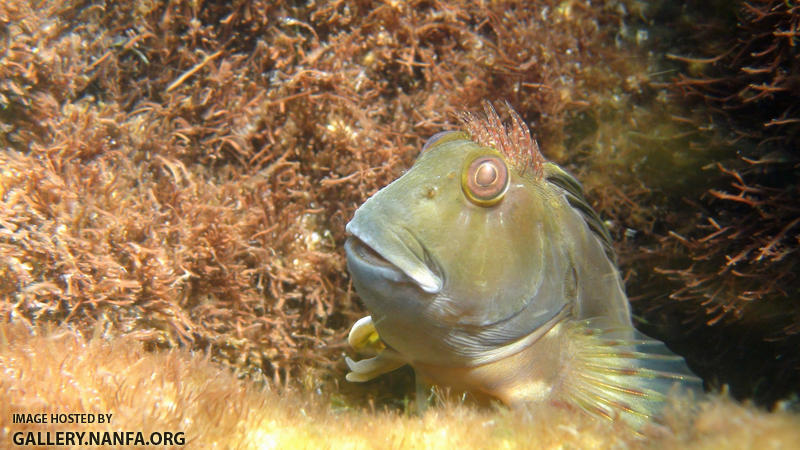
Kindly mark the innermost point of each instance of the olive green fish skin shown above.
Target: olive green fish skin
(501, 281)
(504, 270)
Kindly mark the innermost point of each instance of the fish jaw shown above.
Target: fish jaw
(388, 254)
(399, 283)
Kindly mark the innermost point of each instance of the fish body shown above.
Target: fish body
(485, 269)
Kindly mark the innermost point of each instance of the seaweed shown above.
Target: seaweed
(729, 257)
(182, 171)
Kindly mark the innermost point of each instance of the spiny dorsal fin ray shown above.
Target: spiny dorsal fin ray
(572, 188)
(618, 372)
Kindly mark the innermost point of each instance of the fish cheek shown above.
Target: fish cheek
(494, 270)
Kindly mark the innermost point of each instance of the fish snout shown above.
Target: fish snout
(392, 256)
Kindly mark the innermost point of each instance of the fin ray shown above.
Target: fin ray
(622, 373)
(574, 192)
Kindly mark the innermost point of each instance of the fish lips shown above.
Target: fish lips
(389, 258)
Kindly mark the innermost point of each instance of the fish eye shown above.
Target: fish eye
(440, 138)
(485, 180)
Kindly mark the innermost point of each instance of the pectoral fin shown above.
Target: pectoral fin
(619, 372)
(364, 338)
(367, 369)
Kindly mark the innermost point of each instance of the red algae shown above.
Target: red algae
(182, 172)
(727, 253)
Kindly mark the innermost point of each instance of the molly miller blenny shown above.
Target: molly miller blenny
(486, 270)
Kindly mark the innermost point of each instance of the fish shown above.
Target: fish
(485, 269)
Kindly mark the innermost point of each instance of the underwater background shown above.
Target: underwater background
(179, 173)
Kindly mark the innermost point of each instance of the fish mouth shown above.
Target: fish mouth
(356, 247)
(393, 260)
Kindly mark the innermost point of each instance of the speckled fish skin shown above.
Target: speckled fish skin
(496, 300)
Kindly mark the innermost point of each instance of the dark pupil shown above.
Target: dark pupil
(486, 174)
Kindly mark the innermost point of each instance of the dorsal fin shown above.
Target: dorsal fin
(572, 188)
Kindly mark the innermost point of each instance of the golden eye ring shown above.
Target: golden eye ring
(485, 180)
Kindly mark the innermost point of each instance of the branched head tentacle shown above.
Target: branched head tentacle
(513, 140)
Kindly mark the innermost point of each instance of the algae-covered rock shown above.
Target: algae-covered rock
(181, 172)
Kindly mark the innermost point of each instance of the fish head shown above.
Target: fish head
(459, 255)
(485, 268)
